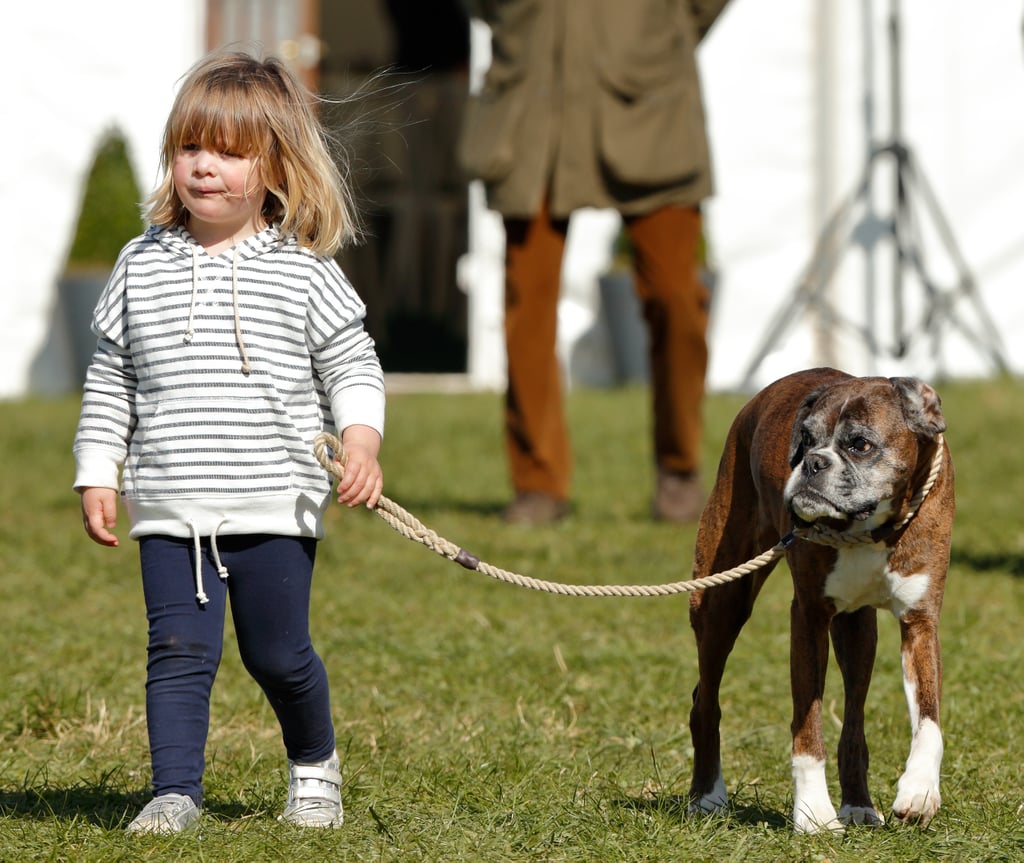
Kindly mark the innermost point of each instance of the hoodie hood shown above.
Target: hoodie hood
(178, 241)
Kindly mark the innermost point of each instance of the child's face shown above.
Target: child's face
(221, 191)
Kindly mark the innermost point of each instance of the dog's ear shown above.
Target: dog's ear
(922, 406)
(796, 440)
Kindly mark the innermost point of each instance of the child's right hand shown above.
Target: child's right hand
(99, 514)
(363, 480)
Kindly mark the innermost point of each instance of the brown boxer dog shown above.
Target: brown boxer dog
(822, 448)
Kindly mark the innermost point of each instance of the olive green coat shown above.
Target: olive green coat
(594, 102)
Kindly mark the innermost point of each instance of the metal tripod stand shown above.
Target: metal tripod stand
(939, 309)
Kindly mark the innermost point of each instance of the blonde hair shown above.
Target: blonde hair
(233, 102)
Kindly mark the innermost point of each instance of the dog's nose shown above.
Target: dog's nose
(816, 462)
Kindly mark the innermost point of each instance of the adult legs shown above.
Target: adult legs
(675, 304)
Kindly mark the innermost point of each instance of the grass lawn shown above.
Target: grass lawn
(479, 721)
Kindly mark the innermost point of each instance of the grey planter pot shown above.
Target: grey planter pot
(78, 293)
(627, 330)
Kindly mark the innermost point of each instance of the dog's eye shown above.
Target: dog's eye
(861, 446)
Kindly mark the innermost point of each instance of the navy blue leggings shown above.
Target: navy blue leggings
(269, 584)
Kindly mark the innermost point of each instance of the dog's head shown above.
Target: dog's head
(855, 446)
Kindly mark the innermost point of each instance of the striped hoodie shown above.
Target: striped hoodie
(211, 378)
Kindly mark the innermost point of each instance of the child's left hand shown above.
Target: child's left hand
(363, 479)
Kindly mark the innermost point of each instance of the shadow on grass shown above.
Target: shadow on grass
(99, 804)
(988, 561)
(96, 804)
(675, 806)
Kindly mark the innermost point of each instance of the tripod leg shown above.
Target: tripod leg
(989, 342)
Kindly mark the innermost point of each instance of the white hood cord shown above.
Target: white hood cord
(189, 332)
(246, 368)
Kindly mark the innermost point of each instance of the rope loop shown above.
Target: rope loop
(405, 523)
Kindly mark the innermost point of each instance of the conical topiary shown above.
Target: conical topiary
(109, 213)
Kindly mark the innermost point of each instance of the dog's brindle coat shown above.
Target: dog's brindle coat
(851, 453)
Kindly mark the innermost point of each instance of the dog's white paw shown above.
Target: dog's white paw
(864, 815)
(820, 819)
(714, 800)
(917, 792)
(813, 811)
(917, 798)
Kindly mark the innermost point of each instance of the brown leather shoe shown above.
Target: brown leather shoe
(535, 507)
(679, 497)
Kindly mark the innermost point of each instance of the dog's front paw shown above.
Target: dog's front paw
(917, 799)
(813, 811)
(917, 792)
(867, 816)
(819, 819)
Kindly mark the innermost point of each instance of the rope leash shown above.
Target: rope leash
(405, 523)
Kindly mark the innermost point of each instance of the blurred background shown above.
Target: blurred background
(867, 165)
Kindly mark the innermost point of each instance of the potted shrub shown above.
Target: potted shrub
(108, 217)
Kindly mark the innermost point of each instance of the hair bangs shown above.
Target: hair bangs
(221, 118)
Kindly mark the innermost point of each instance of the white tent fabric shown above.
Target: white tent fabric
(792, 123)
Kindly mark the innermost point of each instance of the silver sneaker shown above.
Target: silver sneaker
(168, 813)
(314, 794)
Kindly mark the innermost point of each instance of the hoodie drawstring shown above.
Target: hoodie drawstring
(190, 332)
(246, 368)
(222, 571)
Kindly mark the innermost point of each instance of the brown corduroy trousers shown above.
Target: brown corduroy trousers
(675, 307)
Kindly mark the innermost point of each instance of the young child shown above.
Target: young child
(227, 339)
